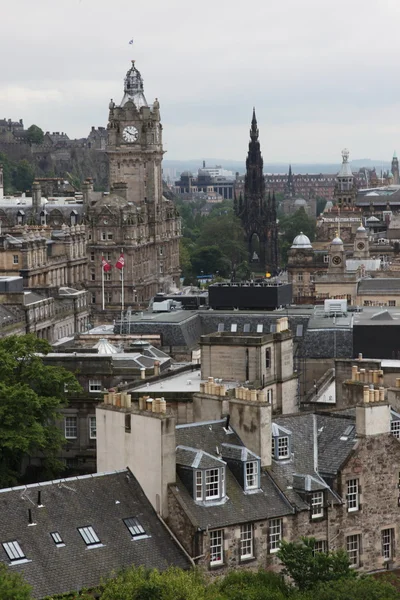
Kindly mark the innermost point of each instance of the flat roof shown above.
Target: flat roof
(189, 381)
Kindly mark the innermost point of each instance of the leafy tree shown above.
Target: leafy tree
(7, 172)
(12, 586)
(321, 203)
(31, 395)
(35, 135)
(247, 585)
(307, 568)
(209, 259)
(225, 231)
(363, 588)
(142, 584)
(23, 175)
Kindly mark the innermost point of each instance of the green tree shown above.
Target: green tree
(307, 568)
(35, 135)
(23, 175)
(321, 203)
(142, 584)
(31, 396)
(225, 231)
(12, 586)
(363, 588)
(209, 260)
(247, 585)
(7, 172)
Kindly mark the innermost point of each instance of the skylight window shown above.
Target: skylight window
(89, 536)
(14, 552)
(57, 539)
(135, 528)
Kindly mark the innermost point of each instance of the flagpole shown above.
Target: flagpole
(102, 283)
(122, 283)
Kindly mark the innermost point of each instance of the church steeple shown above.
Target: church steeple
(290, 191)
(258, 212)
(254, 128)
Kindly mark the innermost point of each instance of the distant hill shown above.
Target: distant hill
(234, 165)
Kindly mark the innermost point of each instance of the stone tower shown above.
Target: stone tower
(345, 189)
(361, 243)
(395, 169)
(135, 142)
(337, 257)
(258, 214)
(290, 190)
(134, 218)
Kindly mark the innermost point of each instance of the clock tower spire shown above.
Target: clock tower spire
(135, 142)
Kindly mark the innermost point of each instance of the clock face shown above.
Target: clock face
(360, 246)
(336, 260)
(130, 134)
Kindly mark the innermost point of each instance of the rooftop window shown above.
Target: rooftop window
(252, 475)
(135, 528)
(89, 537)
(14, 552)
(209, 484)
(57, 539)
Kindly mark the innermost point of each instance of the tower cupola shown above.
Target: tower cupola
(133, 88)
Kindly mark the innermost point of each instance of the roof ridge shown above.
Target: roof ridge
(62, 480)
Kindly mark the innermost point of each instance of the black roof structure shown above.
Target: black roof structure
(52, 523)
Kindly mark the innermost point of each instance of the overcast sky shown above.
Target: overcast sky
(322, 74)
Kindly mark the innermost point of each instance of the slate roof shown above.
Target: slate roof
(239, 507)
(380, 284)
(101, 501)
(333, 448)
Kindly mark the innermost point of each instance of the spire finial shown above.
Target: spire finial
(254, 128)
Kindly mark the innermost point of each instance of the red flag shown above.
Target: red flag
(106, 266)
(120, 262)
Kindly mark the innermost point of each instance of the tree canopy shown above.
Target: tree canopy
(31, 396)
(35, 135)
(12, 586)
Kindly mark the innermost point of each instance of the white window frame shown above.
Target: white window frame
(270, 395)
(353, 550)
(71, 427)
(387, 538)
(89, 536)
(217, 547)
(96, 384)
(212, 480)
(317, 505)
(57, 539)
(15, 259)
(199, 485)
(395, 429)
(274, 534)
(252, 475)
(246, 541)
(92, 430)
(353, 499)
(282, 445)
(319, 546)
(135, 528)
(14, 552)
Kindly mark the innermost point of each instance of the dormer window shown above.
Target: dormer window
(210, 484)
(252, 481)
(281, 442)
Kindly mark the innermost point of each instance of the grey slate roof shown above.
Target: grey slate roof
(101, 501)
(240, 507)
(333, 448)
(380, 284)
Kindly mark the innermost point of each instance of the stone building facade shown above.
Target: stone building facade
(233, 487)
(135, 218)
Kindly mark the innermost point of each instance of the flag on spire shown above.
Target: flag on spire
(106, 265)
(120, 262)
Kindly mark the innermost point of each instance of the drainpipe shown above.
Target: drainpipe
(177, 541)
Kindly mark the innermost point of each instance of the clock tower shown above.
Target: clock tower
(337, 257)
(135, 142)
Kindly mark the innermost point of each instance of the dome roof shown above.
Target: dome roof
(361, 228)
(301, 241)
(104, 347)
(337, 240)
(300, 202)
